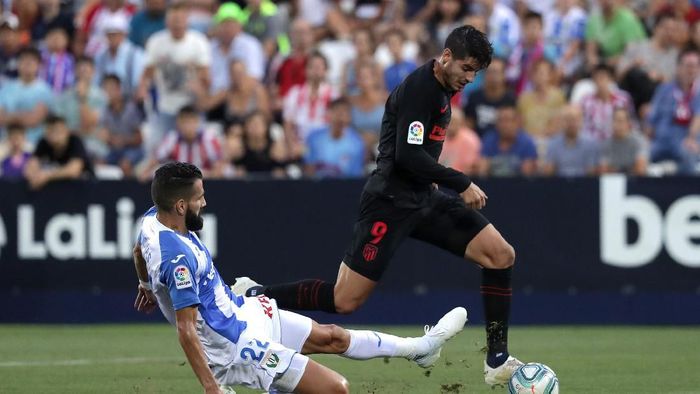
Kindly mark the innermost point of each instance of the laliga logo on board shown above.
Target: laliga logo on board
(678, 230)
(80, 236)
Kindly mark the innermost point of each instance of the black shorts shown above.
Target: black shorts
(446, 222)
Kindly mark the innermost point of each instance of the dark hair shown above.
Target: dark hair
(687, 51)
(318, 55)
(113, 78)
(30, 51)
(395, 31)
(466, 41)
(84, 59)
(603, 67)
(15, 127)
(662, 16)
(187, 110)
(53, 119)
(532, 15)
(339, 102)
(177, 5)
(172, 182)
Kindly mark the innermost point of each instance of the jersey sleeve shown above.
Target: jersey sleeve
(413, 116)
(177, 272)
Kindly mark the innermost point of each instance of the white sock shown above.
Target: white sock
(366, 344)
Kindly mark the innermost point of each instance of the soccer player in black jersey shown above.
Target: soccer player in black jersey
(402, 199)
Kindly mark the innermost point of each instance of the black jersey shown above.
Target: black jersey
(415, 122)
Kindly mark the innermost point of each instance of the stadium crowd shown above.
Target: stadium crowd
(256, 88)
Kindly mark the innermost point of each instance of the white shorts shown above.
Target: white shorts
(261, 363)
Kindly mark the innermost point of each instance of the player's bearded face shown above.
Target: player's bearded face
(193, 221)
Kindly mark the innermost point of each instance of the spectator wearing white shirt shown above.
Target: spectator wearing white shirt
(176, 59)
(232, 43)
(305, 105)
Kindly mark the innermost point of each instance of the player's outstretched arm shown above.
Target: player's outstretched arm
(145, 300)
(187, 335)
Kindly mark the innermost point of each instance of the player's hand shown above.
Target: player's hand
(145, 300)
(474, 197)
(213, 390)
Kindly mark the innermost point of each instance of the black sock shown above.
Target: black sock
(496, 294)
(309, 294)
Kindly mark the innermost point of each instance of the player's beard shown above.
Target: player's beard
(193, 222)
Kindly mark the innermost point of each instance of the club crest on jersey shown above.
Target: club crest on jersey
(369, 252)
(272, 360)
(415, 133)
(183, 279)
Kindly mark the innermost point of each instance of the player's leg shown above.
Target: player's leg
(379, 230)
(321, 379)
(466, 233)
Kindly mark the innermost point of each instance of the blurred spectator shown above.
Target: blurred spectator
(625, 152)
(462, 147)
(565, 31)
(598, 106)
(149, 20)
(256, 153)
(231, 43)
(647, 63)
(57, 63)
(12, 166)
(92, 29)
(507, 150)
(503, 26)
(363, 44)
(266, 23)
(177, 59)
(305, 105)
(675, 116)
(483, 104)
(10, 47)
(244, 97)
(608, 30)
(51, 16)
(59, 155)
(569, 153)
(399, 69)
(538, 106)
(201, 13)
(81, 107)
(367, 107)
(191, 143)
(120, 57)
(292, 70)
(325, 17)
(121, 126)
(335, 150)
(448, 16)
(27, 99)
(526, 54)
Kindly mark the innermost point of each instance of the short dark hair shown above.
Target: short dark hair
(603, 67)
(187, 110)
(466, 41)
(340, 101)
(319, 55)
(177, 5)
(662, 16)
(30, 51)
(687, 51)
(532, 16)
(53, 119)
(84, 59)
(172, 182)
(15, 127)
(113, 78)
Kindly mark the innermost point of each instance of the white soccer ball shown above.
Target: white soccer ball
(533, 378)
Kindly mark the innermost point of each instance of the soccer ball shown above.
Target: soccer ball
(533, 378)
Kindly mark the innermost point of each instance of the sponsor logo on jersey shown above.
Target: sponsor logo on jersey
(415, 133)
(265, 303)
(183, 279)
(176, 259)
(369, 252)
(438, 133)
(272, 360)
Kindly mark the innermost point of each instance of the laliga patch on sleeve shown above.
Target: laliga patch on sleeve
(415, 133)
(183, 279)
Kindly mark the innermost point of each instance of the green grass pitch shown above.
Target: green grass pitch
(147, 359)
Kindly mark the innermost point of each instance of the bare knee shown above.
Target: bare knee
(332, 339)
(503, 257)
(346, 306)
(339, 386)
